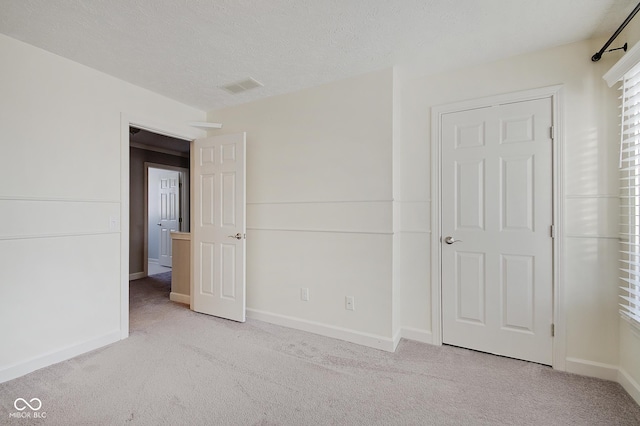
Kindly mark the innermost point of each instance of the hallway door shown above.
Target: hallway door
(169, 214)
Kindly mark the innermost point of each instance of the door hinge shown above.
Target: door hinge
(552, 132)
(552, 231)
(553, 330)
(180, 220)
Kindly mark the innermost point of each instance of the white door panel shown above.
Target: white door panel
(219, 226)
(169, 214)
(497, 277)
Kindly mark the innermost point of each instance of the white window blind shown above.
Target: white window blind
(630, 195)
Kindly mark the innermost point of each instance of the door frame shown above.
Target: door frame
(555, 93)
(166, 128)
(185, 208)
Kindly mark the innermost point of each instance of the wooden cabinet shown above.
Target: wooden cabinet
(181, 267)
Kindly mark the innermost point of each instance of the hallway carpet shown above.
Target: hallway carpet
(183, 368)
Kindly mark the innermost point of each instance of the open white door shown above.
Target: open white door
(219, 226)
(169, 214)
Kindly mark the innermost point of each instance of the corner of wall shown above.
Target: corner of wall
(629, 369)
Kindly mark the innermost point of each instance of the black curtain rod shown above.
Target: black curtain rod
(598, 55)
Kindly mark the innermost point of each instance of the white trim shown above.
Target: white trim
(436, 246)
(556, 95)
(180, 298)
(396, 339)
(594, 236)
(205, 125)
(592, 368)
(365, 339)
(629, 384)
(327, 231)
(329, 202)
(125, 155)
(32, 364)
(192, 166)
(594, 196)
(61, 235)
(559, 320)
(56, 199)
(163, 128)
(620, 68)
(151, 260)
(137, 275)
(496, 100)
(415, 334)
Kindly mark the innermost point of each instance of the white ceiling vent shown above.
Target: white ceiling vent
(242, 86)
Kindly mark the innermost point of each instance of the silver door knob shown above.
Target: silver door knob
(451, 240)
(238, 236)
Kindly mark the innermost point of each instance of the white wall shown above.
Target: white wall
(303, 147)
(319, 214)
(60, 262)
(591, 188)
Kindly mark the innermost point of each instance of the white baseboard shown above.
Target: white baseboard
(629, 384)
(13, 371)
(592, 369)
(137, 276)
(418, 335)
(365, 339)
(180, 298)
(150, 260)
(396, 339)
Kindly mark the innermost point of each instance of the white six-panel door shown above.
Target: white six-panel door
(219, 226)
(497, 209)
(169, 214)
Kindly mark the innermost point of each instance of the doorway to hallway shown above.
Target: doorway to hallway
(147, 151)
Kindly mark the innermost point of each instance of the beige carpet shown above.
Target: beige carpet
(183, 368)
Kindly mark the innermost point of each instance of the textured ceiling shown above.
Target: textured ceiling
(187, 49)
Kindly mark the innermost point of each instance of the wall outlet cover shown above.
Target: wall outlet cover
(304, 294)
(349, 303)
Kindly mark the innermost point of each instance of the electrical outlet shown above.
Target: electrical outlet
(304, 294)
(349, 303)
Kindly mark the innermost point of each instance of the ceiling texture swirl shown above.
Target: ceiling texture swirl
(187, 50)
